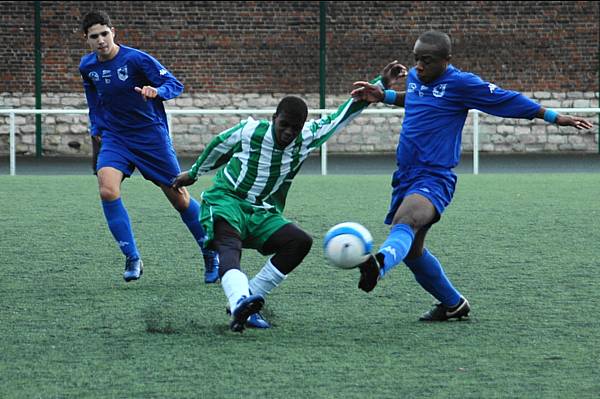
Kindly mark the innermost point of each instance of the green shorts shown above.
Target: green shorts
(254, 224)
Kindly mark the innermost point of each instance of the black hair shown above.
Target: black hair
(440, 40)
(293, 106)
(95, 17)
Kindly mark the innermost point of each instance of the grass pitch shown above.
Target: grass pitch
(523, 248)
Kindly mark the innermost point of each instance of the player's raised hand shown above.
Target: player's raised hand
(147, 92)
(183, 179)
(575, 121)
(392, 72)
(365, 91)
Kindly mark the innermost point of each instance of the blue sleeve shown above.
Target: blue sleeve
(91, 96)
(491, 99)
(159, 77)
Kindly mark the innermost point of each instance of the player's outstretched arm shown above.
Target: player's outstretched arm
(365, 91)
(552, 116)
(183, 179)
(392, 72)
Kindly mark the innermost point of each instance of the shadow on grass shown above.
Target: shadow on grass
(162, 317)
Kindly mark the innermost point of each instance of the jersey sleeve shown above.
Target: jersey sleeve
(91, 96)
(218, 151)
(322, 129)
(167, 85)
(491, 99)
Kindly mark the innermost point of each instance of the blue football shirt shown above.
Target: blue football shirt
(436, 113)
(114, 104)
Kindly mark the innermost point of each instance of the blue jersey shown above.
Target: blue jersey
(436, 113)
(114, 104)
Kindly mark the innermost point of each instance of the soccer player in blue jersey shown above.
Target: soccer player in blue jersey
(437, 99)
(125, 89)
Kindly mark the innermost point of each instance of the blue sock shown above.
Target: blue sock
(120, 227)
(191, 218)
(430, 275)
(396, 246)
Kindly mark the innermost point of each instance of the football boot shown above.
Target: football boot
(211, 266)
(441, 312)
(134, 268)
(246, 307)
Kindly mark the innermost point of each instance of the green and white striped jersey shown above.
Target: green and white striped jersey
(256, 170)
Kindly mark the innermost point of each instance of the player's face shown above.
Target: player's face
(287, 128)
(429, 62)
(101, 40)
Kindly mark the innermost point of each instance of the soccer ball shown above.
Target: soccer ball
(347, 245)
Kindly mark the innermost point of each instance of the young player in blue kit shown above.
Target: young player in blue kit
(437, 99)
(125, 89)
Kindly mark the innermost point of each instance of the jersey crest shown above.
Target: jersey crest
(122, 73)
(439, 90)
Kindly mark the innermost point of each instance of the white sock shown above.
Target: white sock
(266, 279)
(235, 285)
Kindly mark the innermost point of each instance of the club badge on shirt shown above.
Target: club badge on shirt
(439, 90)
(122, 73)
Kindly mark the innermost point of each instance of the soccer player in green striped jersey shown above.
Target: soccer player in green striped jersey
(243, 209)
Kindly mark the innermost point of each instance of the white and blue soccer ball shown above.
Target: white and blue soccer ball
(347, 245)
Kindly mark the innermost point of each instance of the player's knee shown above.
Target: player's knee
(108, 193)
(180, 199)
(297, 245)
(303, 243)
(416, 220)
(180, 205)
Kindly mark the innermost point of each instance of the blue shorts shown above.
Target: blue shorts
(151, 152)
(437, 185)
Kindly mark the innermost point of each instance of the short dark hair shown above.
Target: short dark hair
(439, 39)
(95, 17)
(293, 106)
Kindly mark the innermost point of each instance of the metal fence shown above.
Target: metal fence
(396, 111)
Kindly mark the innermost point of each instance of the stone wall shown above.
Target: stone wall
(248, 54)
(372, 133)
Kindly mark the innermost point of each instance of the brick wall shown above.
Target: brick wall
(265, 47)
(243, 50)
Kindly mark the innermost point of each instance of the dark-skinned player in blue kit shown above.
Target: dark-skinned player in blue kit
(437, 99)
(125, 89)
